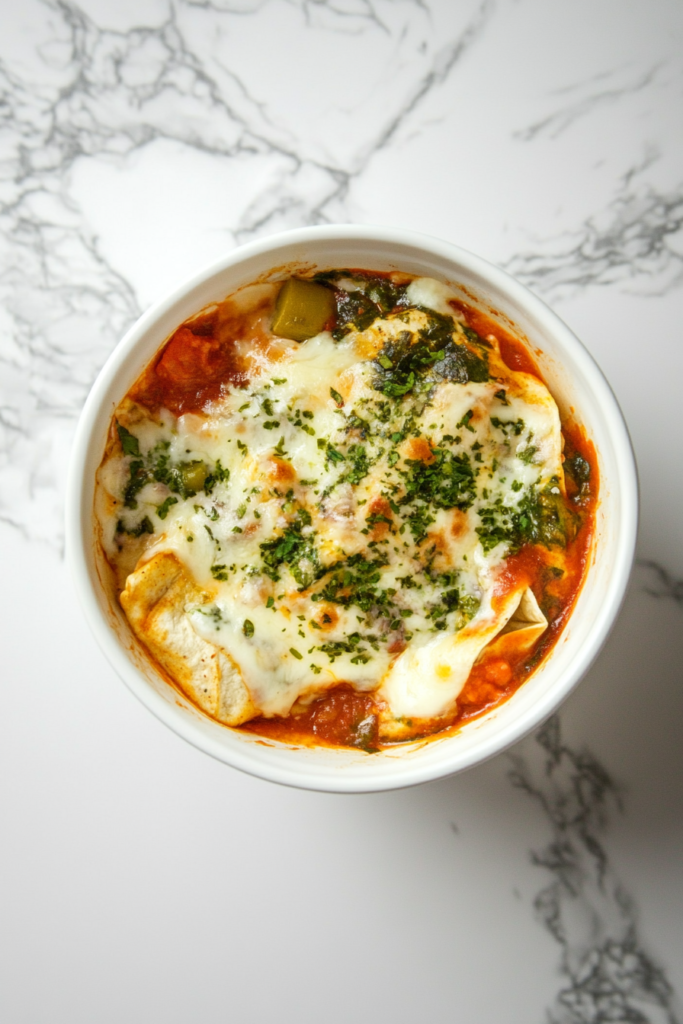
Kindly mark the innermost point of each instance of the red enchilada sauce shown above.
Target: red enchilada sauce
(203, 355)
(343, 717)
(200, 358)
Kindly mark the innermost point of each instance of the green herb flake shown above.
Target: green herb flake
(129, 442)
(465, 421)
(163, 509)
(333, 455)
(527, 455)
(218, 475)
(295, 550)
(514, 426)
(144, 526)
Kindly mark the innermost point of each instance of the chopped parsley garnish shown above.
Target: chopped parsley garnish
(129, 442)
(333, 454)
(514, 426)
(465, 421)
(449, 602)
(294, 550)
(527, 455)
(419, 522)
(355, 583)
(182, 478)
(144, 526)
(218, 475)
(357, 456)
(248, 628)
(163, 509)
(351, 645)
(213, 612)
(445, 482)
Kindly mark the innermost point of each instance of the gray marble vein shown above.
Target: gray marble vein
(86, 85)
(661, 583)
(582, 98)
(82, 93)
(105, 95)
(607, 973)
(635, 240)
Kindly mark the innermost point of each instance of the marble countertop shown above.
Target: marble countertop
(142, 880)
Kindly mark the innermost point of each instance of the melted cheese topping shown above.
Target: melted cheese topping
(347, 534)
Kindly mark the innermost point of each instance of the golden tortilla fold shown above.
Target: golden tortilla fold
(434, 674)
(156, 600)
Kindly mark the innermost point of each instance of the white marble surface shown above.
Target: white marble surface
(140, 880)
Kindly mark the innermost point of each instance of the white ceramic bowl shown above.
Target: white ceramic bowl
(576, 383)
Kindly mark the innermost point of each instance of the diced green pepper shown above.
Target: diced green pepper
(302, 309)
(194, 474)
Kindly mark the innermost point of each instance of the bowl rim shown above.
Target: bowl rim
(78, 509)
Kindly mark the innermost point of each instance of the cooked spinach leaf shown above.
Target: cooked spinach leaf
(541, 517)
(433, 357)
(357, 310)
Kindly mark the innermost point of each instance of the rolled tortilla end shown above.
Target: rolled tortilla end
(424, 683)
(156, 600)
